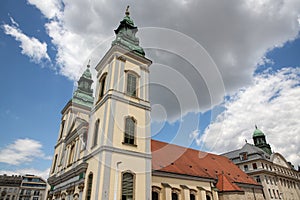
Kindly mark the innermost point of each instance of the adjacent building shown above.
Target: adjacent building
(278, 177)
(104, 148)
(9, 187)
(16, 187)
(32, 188)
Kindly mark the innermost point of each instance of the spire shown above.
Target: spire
(83, 95)
(127, 13)
(125, 35)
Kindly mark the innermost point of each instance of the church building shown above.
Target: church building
(104, 149)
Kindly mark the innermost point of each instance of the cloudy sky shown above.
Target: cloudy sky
(219, 68)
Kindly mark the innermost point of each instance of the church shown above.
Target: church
(104, 148)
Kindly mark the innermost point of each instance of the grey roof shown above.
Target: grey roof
(250, 149)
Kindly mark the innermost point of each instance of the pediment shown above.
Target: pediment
(280, 160)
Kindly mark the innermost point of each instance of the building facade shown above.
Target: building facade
(32, 188)
(104, 148)
(280, 180)
(28, 187)
(9, 187)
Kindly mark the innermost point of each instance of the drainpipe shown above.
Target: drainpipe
(116, 180)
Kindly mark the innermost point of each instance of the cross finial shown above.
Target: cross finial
(88, 65)
(127, 11)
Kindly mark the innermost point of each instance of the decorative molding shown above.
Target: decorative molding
(181, 176)
(184, 187)
(166, 185)
(117, 150)
(54, 180)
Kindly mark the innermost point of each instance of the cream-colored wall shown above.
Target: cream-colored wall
(175, 183)
(133, 164)
(112, 113)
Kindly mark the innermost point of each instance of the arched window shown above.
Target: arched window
(71, 155)
(96, 130)
(89, 187)
(207, 197)
(54, 164)
(127, 186)
(155, 192)
(62, 128)
(174, 196)
(102, 86)
(131, 88)
(129, 130)
(193, 194)
(155, 195)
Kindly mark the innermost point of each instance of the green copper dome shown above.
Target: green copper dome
(257, 132)
(87, 74)
(84, 92)
(125, 36)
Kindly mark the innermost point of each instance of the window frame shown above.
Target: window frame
(156, 189)
(96, 133)
(102, 85)
(71, 154)
(133, 183)
(133, 74)
(89, 186)
(133, 143)
(54, 164)
(62, 127)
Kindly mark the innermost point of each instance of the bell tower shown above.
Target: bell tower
(69, 166)
(119, 154)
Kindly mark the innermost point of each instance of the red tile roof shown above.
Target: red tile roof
(185, 161)
(226, 184)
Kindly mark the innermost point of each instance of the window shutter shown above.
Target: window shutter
(127, 184)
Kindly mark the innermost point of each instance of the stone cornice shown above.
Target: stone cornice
(181, 176)
(54, 180)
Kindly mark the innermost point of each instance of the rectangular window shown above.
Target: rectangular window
(89, 187)
(257, 178)
(278, 194)
(274, 193)
(245, 168)
(129, 130)
(131, 84)
(254, 166)
(71, 155)
(270, 193)
(96, 130)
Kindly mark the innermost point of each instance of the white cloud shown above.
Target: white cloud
(49, 8)
(32, 47)
(272, 102)
(236, 34)
(22, 151)
(42, 173)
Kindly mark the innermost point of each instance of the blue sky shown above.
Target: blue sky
(45, 46)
